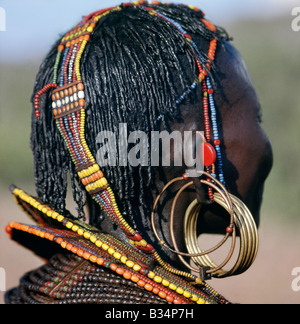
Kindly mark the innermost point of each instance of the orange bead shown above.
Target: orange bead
(63, 245)
(100, 261)
(81, 102)
(69, 246)
(80, 86)
(80, 253)
(169, 299)
(162, 294)
(93, 258)
(126, 275)
(135, 278)
(141, 283)
(74, 249)
(86, 255)
(87, 37)
(100, 174)
(120, 271)
(148, 287)
(60, 48)
(59, 240)
(113, 267)
(84, 181)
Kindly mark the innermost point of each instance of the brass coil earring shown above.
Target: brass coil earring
(241, 221)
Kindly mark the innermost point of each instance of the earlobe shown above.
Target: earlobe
(201, 192)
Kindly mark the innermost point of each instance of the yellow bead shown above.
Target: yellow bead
(105, 246)
(104, 181)
(60, 218)
(180, 291)
(158, 279)
(129, 264)
(90, 29)
(143, 243)
(165, 283)
(123, 259)
(172, 286)
(137, 267)
(151, 274)
(198, 281)
(111, 251)
(93, 239)
(87, 235)
(194, 298)
(98, 243)
(186, 294)
(117, 255)
(69, 225)
(80, 232)
(201, 301)
(75, 228)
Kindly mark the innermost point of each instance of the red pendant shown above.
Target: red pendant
(209, 154)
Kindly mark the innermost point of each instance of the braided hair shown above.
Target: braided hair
(135, 68)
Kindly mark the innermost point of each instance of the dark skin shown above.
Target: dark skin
(246, 152)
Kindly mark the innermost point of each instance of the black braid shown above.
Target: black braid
(134, 68)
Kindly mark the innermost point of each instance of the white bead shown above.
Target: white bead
(81, 94)
(53, 105)
(58, 102)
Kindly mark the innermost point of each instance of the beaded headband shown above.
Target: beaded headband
(68, 107)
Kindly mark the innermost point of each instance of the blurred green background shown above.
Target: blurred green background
(271, 50)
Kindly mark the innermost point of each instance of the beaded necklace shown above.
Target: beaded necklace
(68, 108)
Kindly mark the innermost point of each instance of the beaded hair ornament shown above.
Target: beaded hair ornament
(140, 262)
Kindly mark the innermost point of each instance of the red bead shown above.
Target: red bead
(185, 176)
(210, 91)
(229, 229)
(148, 248)
(8, 230)
(136, 237)
(217, 142)
(209, 154)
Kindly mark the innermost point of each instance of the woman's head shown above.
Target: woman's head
(139, 70)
